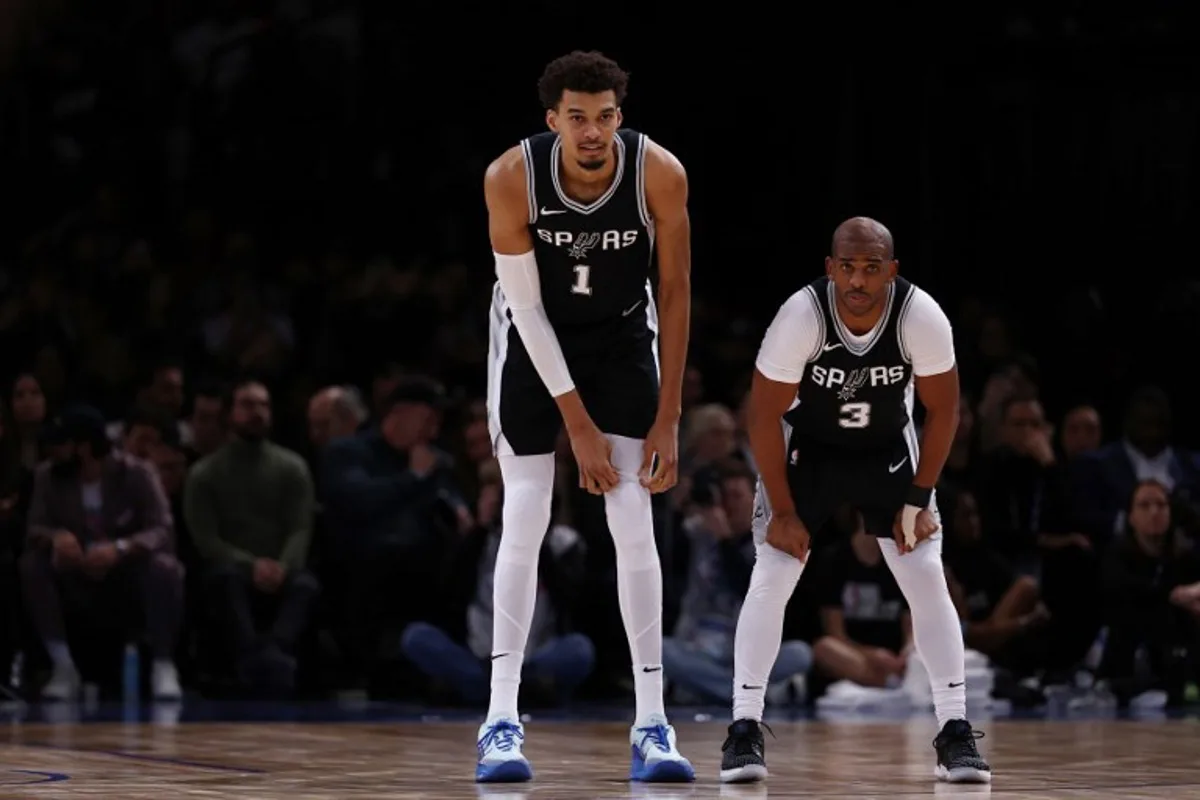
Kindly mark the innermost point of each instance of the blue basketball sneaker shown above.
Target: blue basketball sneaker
(654, 757)
(500, 757)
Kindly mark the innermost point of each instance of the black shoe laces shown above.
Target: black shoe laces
(744, 744)
(959, 746)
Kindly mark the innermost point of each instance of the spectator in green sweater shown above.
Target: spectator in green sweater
(249, 508)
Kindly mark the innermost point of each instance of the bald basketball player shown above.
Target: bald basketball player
(830, 423)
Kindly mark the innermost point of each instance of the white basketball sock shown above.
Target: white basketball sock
(760, 628)
(639, 575)
(528, 489)
(937, 632)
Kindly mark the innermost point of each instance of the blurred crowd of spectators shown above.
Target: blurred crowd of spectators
(366, 553)
(332, 522)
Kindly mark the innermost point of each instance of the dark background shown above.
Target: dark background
(1040, 164)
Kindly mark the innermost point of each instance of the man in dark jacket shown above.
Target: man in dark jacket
(100, 528)
(393, 513)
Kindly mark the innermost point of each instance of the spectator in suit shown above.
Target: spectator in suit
(100, 529)
(249, 509)
(1101, 480)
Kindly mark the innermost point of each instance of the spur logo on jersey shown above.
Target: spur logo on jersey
(583, 244)
(848, 382)
(579, 244)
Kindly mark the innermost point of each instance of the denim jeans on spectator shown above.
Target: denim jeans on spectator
(564, 662)
(712, 679)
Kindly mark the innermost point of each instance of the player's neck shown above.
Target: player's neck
(859, 325)
(583, 185)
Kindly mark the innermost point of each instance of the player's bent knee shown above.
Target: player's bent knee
(525, 515)
(775, 574)
(631, 523)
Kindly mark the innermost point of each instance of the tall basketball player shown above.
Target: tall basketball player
(838, 365)
(574, 216)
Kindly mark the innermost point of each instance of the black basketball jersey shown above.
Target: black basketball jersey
(593, 258)
(856, 394)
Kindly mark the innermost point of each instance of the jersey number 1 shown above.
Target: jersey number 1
(855, 415)
(583, 280)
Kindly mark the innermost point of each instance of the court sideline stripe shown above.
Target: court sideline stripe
(146, 757)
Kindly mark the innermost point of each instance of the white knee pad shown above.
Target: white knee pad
(528, 492)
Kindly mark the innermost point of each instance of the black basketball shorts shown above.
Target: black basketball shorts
(824, 479)
(615, 369)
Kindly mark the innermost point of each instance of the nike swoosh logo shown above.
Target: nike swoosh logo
(893, 467)
(750, 688)
(548, 211)
(631, 309)
(498, 655)
(956, 685)
(651, 669)
(829, 347)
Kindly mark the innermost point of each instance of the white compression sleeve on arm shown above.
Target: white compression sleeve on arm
(518, 277)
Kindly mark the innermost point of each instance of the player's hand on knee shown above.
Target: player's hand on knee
(787, 533)
(593, 454)
(924, 526)
(662, 441)
(927, 525)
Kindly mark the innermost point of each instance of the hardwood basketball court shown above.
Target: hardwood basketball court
(411, 759)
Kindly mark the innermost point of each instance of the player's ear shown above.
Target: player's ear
(894, 269)
(620, 118)
(552, 119)
(828, 266)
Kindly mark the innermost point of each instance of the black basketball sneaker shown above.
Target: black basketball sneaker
(957, 759)
(743, 756)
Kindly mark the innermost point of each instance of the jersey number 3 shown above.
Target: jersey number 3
(583, 280)
(855, 415)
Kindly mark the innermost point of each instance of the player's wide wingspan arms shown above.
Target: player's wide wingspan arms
(667, 196)
(769, 401)
(517, 271)
(939, 395)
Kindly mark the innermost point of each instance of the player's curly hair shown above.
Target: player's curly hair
(590, 72)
